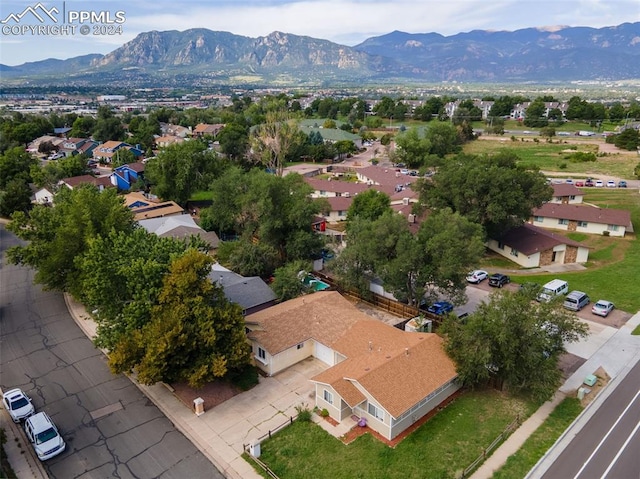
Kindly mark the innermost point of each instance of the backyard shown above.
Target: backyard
(441, 448)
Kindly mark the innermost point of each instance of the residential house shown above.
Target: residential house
(105, 152)
(332, 189)
(146, 206)
(71, 146)
(179, 227)
(55, 141)
(168, 140)
(533, 247)
(169, 129)
(125, 176)
(252, 294)
(338, 208)
(205, 129)
(566, 193)
(387, 180)
(583, 219)
(61, 132)
(100, 182)
(388, 377)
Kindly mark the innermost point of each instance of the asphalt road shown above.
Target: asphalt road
(110, 427)
(607, 447)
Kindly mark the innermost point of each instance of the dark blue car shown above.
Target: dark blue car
(440, 307)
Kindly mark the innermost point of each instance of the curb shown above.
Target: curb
(579, 422)
(224, 467)
(19, 452)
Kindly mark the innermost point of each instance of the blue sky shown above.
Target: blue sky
(348, 22)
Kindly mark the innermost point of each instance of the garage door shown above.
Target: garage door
(323, 353)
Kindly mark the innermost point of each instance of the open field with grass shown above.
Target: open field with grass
(614, 263)
(519, 464)
(444, 445)
(556, 156)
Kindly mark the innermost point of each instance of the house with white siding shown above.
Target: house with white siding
(387, 377)
(582, 219)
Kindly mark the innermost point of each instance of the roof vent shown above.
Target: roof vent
(406, 351)
(370, 346)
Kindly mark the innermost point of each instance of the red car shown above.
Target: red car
(579, 184)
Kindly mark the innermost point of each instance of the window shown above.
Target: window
(338, 194)
(323, 193)
(514, 252)
(262, 354)
(538, 219)
(376, 412)
(300, 346)
(563, 222)
(612, 227)
(500, 245)
(582, 224)
(342, 213)
(572, 197)
(327, 396)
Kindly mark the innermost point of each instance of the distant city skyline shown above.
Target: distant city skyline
(33, 31)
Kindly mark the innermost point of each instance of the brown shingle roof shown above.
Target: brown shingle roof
(336, 186)
(397, 368)
(322, 316)
(340, 203)
(566, 189)
(590, 214)
(530, 239)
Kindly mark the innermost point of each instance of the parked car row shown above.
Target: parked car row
(41, 432)
(574, 300)
(590, 182)
(497, 280)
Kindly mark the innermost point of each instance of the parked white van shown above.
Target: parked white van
(552, 289)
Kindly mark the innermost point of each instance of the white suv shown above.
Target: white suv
(17, 404)
(44, 436)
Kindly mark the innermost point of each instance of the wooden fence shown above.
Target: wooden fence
(487, 452)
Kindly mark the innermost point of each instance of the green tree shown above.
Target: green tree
(123, 156)
(58, 236)
(195, 334)
(234, 141)
(535, 114)
(15, 163)
(493, 191)
(120, 277)
(443, 138)
(274, 211)
(616, 112)
(181, 169)
(108, 126)
(434, 261)
(369, 205)
(629, 139)
(514, 339)
(287, 280)
(15, 196)
(413, 149)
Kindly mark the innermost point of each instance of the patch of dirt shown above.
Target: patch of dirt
(603, 380)
(214, 393)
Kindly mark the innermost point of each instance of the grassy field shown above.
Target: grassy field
(614, 263)
(444, 445)
(519, 464)
(555, 156)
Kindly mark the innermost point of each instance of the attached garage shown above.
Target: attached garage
(324, 354)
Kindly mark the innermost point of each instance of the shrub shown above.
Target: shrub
(324, 412)
(605, 233)
(582, 157)
(562, 166)
(245, 378)
(304, 413)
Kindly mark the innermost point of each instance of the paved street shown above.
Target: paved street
(607, 445)
(111, 428)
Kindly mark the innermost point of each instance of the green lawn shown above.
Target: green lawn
(444, 445)
(618, 278)
(555, 156)
(519, 464)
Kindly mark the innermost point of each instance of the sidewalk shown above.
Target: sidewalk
(617, 355)
(221, 433)
(19, 452)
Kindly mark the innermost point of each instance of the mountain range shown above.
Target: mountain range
(532, 55)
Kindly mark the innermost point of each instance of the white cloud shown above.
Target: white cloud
(344, 21)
